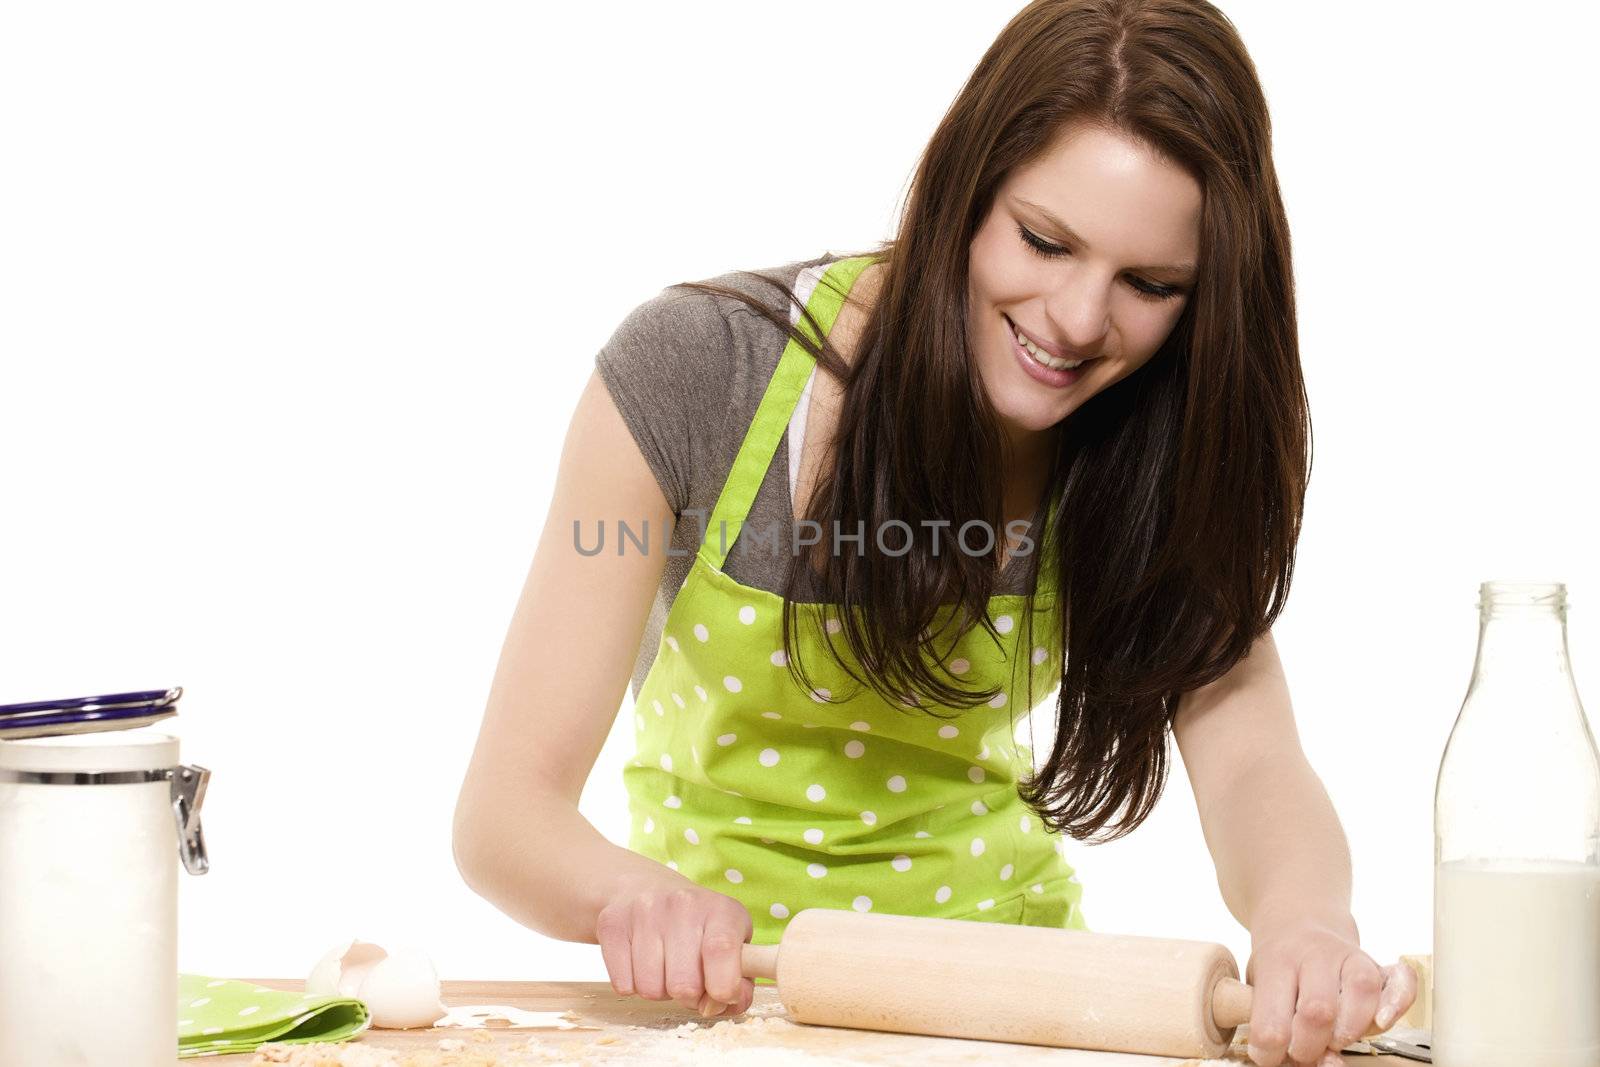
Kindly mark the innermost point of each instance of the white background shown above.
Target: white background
(296, 301)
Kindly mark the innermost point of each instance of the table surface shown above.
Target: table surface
(617, 1029)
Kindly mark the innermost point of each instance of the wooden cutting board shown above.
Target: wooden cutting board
(633, 1030)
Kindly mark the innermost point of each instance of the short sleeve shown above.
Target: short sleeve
(668, 367)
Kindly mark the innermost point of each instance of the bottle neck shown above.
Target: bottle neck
(1521, 639)
(1520, 776)
(1522, 629)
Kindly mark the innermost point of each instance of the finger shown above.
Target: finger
(682, 944)
(615, 950)
(1331, 1059)
(1315, 1008)
(1398, 994)
(722, 948)
(1271, 1011)
(649, 977)
(1359, 984)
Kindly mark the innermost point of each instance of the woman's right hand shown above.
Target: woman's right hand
(676, 940)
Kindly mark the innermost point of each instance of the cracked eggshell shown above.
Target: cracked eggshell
(400, 989)
(343, 968)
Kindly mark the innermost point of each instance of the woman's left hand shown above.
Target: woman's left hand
(1315, 991)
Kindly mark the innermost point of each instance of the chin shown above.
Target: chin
(1024, 409)
(1022, 403)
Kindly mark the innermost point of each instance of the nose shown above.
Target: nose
(1080, 312)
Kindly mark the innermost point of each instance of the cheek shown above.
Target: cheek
(1150, 332)
(1001, 269)
(981, 275)
(1136, 339)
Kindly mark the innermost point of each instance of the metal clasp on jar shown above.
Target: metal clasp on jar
(188, 793)
(188, 787)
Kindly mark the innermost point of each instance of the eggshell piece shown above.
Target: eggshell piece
(323, 980)
(402, 990)
(357, 966)
(343, 969)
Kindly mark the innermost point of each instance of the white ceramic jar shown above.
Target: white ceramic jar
(91, 829)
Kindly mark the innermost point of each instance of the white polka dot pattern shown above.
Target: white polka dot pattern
(789, 792)
(223, 1016)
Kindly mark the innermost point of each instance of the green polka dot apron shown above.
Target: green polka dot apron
(784, 798)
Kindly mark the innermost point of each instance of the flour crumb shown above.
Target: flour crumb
(746, 1042)
(323, 1054)
(452, 1052)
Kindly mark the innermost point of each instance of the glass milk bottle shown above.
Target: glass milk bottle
(1516, 905)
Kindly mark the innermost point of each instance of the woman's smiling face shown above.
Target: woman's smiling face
(1111, 297)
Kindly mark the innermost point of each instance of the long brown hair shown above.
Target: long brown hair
(1178, 490)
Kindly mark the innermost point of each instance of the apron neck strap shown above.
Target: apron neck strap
(760, 442)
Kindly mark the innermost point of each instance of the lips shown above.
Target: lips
(1052, 350)
(1035, 354)
(1049, 350)
(1040, 372)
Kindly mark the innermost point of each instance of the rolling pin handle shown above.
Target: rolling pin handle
(1230, 1003)
(759, 961)
(1230, 1006)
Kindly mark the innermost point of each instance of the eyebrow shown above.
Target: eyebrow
(1184, 269)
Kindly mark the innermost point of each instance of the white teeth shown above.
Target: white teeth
(1042, 356)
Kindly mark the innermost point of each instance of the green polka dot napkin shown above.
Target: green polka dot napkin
(218, 1016)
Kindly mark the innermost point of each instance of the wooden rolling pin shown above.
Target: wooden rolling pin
(1005, 982)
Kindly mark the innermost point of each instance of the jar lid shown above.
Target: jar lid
(98, 753)
(82, 715)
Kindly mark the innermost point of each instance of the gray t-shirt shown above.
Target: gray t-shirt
(687, 370)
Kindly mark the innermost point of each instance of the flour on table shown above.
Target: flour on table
(762, 1037)
(474, 1051)
(501, 1016)
(753, 1041)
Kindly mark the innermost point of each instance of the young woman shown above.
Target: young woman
(1052, 436)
